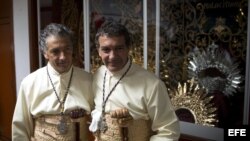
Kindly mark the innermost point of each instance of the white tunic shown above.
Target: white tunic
(36, 97)
(143, 94)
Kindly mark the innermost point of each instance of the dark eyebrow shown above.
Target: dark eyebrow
(118, 46)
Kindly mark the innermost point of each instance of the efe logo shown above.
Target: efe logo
(236, 132)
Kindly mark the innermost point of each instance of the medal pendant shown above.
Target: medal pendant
(103, 125)
(62, 127)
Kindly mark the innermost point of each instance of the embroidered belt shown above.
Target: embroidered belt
(46, 128)
(137, 130)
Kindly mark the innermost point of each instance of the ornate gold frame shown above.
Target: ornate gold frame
(190, 96)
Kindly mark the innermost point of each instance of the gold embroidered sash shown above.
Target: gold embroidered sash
(45, 129)
(137, 130)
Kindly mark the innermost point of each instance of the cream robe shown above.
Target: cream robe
(36, 97)
(143, 94)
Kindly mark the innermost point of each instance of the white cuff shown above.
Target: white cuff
(96, 116)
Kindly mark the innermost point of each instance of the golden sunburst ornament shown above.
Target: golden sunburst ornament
(192, 105)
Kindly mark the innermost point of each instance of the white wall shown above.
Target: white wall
(21, 40)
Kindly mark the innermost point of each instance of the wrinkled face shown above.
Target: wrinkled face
(59, 53)
(113, 52)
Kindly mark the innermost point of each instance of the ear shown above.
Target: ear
(45, 55)
(98, 50)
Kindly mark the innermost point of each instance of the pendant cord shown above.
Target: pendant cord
(66, 93)
(105, 100)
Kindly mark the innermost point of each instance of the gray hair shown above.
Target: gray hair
(54, 29)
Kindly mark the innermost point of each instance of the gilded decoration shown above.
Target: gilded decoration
(184, 25)
(192, 104)
(187, 24)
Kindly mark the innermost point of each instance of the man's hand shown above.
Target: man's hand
(122, 116)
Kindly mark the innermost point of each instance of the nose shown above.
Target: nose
(62, 55)
(113, 54)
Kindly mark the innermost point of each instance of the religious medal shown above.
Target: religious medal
(102, 125)
(62, 127)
